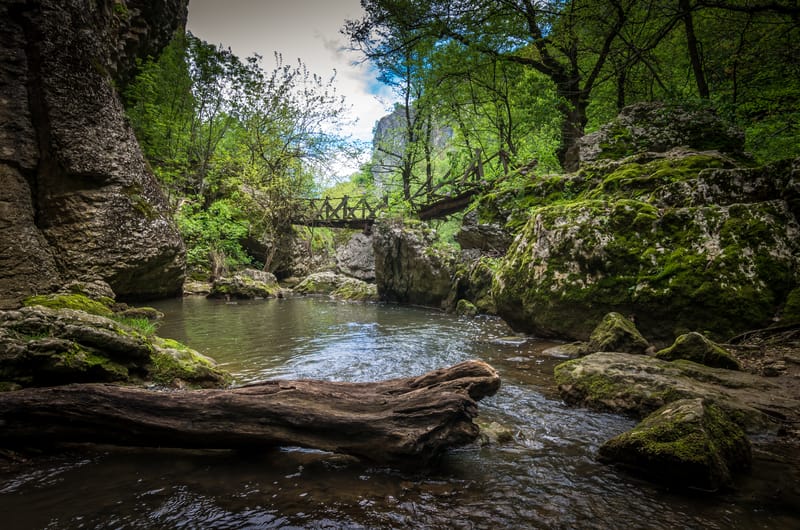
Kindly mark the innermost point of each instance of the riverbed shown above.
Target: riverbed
(545, 477)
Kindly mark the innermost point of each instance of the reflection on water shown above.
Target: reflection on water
(546, 477)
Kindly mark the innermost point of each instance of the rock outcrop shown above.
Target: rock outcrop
(683, 239)
(696, 348)
(409, 268)
(357, 257)
(42, 346)
(77, 199)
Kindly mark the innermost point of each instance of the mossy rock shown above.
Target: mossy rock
(639, 384)
(688, 443)
(75, 301)
(465, 308)
(354, 290)
(617, 333)
(247, 284)
(696, 347)
(174, 363)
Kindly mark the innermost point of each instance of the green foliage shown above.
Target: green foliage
(213, 233)
(142, 325)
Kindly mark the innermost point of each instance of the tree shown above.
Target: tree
(549, 37)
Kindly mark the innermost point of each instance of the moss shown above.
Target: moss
(466, 308)
(142, 325)
(8, 386)
(69, 301)
(617, 333)
(87, 364)
(355, 290)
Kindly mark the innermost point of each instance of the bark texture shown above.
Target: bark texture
(405, 421)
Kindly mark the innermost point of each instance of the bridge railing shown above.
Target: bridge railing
(335, 211)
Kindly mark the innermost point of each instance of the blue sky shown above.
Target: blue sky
(305, 29)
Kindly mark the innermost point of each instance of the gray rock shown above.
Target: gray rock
(357, 257)
(246, 284)
(88, 206)
(408, 268)
(617, 333)
(487, 237)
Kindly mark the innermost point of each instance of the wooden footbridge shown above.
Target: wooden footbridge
(449, 196)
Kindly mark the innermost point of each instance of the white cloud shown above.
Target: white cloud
(305, 29)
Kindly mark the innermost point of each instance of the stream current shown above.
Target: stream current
(546, 477)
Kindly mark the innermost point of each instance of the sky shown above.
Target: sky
(304, 29)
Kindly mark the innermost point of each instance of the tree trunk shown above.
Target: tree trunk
(694, 50)
(410, 420)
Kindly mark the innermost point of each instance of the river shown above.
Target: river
(546, 477)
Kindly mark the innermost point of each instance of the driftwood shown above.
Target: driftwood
(409, 420)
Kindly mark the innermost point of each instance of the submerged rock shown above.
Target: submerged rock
(688, 443)
(695, 347)
(639, 384)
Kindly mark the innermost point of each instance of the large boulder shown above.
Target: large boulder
(409, 268)
(357, 257)
(681, 240)
(338, 286)
(638, 385)
(656, 127)
(78, 199)
(246, 284)
(687, 443)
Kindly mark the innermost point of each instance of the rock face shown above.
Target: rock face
(77, 199)
(682, 239)
(687, 443)
(408, 268)
(357, 257)
(486, 237)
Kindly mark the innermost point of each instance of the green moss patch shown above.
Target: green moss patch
(69, 301)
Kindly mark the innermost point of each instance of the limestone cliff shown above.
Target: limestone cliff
(77, 199)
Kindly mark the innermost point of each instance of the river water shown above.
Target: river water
(546, 477)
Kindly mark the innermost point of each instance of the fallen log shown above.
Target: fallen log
(408, 420)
